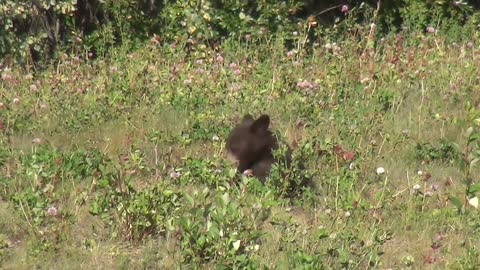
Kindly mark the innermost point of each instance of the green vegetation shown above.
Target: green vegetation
(118, 161)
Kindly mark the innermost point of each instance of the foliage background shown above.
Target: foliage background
(36, 31)
(114, 114)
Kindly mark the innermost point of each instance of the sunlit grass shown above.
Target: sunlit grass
(159, 119)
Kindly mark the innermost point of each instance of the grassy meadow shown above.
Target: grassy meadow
(119, 162)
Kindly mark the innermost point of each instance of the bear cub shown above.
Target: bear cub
(251, 144)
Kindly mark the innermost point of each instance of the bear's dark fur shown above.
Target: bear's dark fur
(251, 145)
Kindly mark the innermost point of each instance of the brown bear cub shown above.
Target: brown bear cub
(251, 145)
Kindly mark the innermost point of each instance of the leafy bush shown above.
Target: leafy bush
(215, 19)
(136, 214)
(221, 226)
(51, 166)
(33, 31)
(446, 152)
(201, 171)
(290, 178)
(302, 260)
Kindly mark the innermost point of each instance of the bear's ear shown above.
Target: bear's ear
(247, 120)
(261, 124)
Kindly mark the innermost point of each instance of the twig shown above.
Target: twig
(25, 214)
(327, 10)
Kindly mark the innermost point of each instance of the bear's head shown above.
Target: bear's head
(251, 143)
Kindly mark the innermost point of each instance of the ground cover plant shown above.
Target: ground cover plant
(119, 162)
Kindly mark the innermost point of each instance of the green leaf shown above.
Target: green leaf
(473, 162)
(213, 231)
(167, 192)
(190, 199)
(231, 172)
(474, 137)
(322, 233)
(103, 183)
(342, 255)
(474, 188)
(201, 241)
(469, 131)
(226, 198)
(95, 208)
(456, 202)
